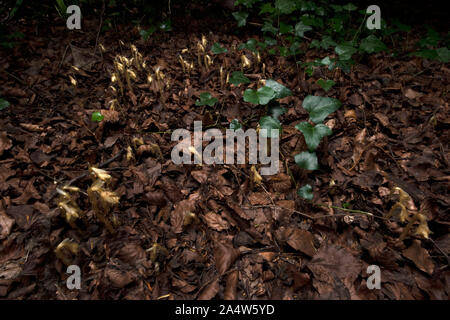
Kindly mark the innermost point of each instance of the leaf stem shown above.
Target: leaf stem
(346, 210)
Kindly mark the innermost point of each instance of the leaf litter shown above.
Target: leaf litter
(219, 232)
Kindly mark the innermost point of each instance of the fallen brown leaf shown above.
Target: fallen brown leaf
(421, 258)
(225, 255)
(216, 222)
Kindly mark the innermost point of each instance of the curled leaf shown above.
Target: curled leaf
(307, 160)
(66, 250)
(306, 192)
(109, 197)
(100, 173)
(72, 213)
(256, 177)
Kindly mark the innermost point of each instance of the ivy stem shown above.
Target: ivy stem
(359, 29)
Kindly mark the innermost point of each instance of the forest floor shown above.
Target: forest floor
(245, 240)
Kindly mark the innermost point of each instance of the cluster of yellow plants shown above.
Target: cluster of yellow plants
(404, 209)
(128, 70)
(102, 200)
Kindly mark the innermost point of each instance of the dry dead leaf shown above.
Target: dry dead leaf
(6, 224)
(224, 255)
(421, 258)
(259, 198)
(210, 291)
(411, 94)
(5, 143)
(110, 115)
(355, 99)
(32, 127)
(118, 278)
(382, 118)
(216, 222)
(231, 286)
(333, 261)
(301, 240)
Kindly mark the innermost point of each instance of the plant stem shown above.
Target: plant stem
(359, 29)
(346, 210)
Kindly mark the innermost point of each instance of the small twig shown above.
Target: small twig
(265, 249)
(420, 72)
(268, 194)
(62, 59)
(255, 24)
(443, 253)
(280, 208)
(346, 210)
(16, 78)
(99, 27)
(61, 292)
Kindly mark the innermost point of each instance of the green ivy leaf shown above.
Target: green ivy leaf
(270, 124)
(3, 104)
(270, 41)
(285, 28)
(265, 94)
(345, 51)
(402, 27)
(337, 24)
(306, 192)
(268, 27)
(235, 125)
(312, 20)
(295, 48)
(350, 7)
(336, 7)
(285, 6)
(429, 54)
(330, 63)
(166, 25)
(216, 48)
(313, 134)
(327, 42)
(284, 52)
(307, 160)
(147, 33)
(241, 18)
(326, 84)
(249, 45)
(262, 45)
(247, 3)
(300, 29)
(262, 96)
(280, 90)
(431, 40)
(307, 6)
(237, 77)
(251, 96)
(267, 8)
(443, 54)
(315, 44)
(206, 99)
(320, 107)
(97, 117)
(320, 11)
(276, 111)
(372, 44)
